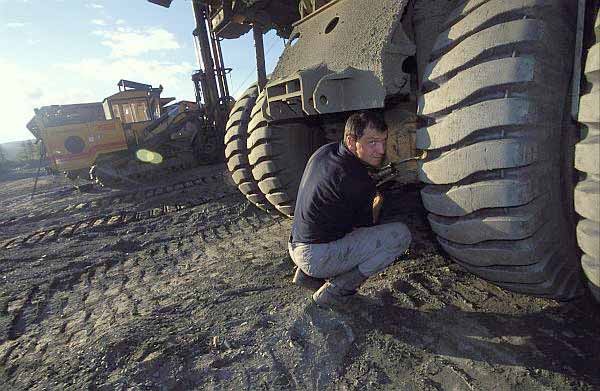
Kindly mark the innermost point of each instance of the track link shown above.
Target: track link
(112, 200)
(100, 222)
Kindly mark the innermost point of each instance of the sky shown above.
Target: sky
(75, 51)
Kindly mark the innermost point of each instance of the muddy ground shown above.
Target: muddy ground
(185, 285)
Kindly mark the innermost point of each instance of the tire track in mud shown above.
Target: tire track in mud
(95, 297)
(114, 200)
(99, 222)
(33, 308)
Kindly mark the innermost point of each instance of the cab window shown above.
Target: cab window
(140, 110)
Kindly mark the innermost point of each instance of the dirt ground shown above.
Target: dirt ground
(185, 285)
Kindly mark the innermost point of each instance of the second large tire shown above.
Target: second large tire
(587, 160)
(495, 98)
(236, 153)
(278, 154)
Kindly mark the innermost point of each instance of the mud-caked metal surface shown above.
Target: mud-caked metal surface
(364, 34)
(276, 14)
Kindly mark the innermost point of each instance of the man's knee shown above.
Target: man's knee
(398, 236)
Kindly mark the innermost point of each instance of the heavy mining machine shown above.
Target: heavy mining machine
(501, 97)
(126, 137)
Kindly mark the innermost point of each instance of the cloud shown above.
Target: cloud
(94, 5)
(120, 21)
(88, 80)
(98, 22)
(35, 94)
(91, 79)
(126, 41)
(15, 25)
(29, 89)
(34, 88)
(169, 74)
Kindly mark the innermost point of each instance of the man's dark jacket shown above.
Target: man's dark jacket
(336, 195)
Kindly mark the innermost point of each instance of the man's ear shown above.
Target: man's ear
(350, 142)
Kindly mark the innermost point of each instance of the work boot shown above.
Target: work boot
(340, 289)
(305, 281)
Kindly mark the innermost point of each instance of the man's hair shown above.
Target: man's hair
(357, 123)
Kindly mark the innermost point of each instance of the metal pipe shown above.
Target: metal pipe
(222, 65)
(260, 56)
(37, 174)
(211, 94)
(576, 80)
(219, 69)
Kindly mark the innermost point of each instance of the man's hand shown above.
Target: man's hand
(377, 204)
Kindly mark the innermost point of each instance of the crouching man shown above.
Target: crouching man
(334, 234)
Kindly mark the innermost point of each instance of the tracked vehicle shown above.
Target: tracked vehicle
(502, 96)
(126, 138)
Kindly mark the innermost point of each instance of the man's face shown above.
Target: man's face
(370, 148)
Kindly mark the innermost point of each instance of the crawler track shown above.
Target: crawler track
(114, 200)
(100, 221)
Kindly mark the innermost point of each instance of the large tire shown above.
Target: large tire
(587, 160)
(495, 98)
(278, 155)
(236, 153)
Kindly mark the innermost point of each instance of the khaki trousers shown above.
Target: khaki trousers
(372, 249)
